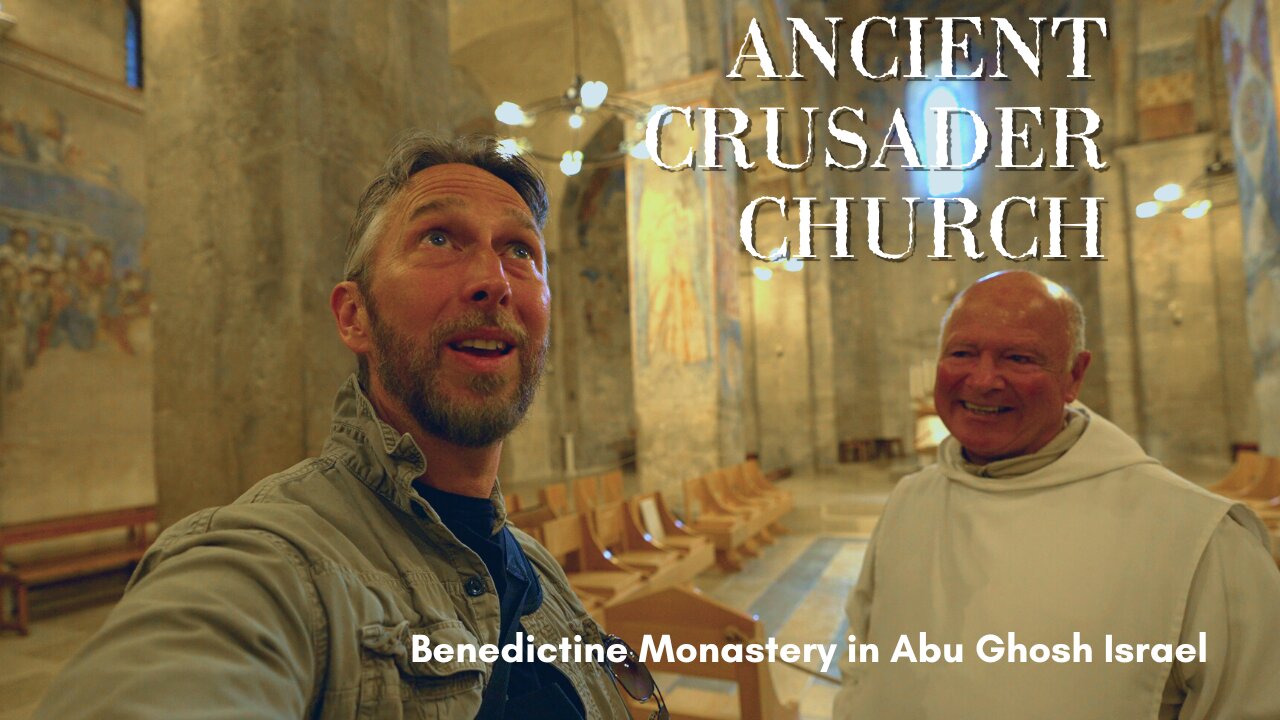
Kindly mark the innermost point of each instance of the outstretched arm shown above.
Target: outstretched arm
(215, 624)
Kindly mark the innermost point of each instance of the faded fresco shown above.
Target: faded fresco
(673, 309)
(75, 367)
(1250, 77)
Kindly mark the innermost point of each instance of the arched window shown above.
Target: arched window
(133, 43)
(924, 99)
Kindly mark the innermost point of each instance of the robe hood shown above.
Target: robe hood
(1103, 448)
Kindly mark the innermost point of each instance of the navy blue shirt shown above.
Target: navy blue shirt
(533, 689)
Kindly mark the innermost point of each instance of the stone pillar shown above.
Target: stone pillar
(264, 122)
(1250, 62)
(822, 360)
(685, 324)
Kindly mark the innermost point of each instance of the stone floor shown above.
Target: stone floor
(797, 587)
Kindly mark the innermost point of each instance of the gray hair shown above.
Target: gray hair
(416, 151)
(1065, 298)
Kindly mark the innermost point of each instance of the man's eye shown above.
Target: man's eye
(1021, 359)
(959, 354)
(436, 238)
(522, 251)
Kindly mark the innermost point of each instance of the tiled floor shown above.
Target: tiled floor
(797, 587)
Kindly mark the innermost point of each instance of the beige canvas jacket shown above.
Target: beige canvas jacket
(299, 600)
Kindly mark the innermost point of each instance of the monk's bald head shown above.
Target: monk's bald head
(1003, 294)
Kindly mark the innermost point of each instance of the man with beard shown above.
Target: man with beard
(1042, 520)
(303, 598)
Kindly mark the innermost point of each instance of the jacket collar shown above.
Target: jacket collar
(384, 459)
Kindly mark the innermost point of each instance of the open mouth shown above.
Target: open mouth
(482, 348)
(985, 409)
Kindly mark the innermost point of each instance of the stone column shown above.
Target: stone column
(264, 122)
(1250, 61)
(685, 324)
(822, 359)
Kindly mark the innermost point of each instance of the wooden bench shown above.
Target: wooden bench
(19, 577)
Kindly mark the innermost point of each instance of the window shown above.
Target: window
(924, 99)
(133, 43)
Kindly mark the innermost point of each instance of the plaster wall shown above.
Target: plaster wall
(86, 33)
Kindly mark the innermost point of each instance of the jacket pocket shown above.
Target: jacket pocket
(393, 685)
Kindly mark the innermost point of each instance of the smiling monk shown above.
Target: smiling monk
(1043, 519)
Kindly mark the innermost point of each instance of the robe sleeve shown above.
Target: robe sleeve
(858, 610)
(1235, 601)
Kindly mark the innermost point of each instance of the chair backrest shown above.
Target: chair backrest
(1268, 484)
(556, 497)
(513, 502)
(531, 519)
(562, 537)
(611, 487)
(586, 493)
(649, 516)
(1243, 473)
(608, 522)
(697, 497)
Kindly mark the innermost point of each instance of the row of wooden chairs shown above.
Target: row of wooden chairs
(738, 509)
(1254, 480)
(632, 561)
(612, 548)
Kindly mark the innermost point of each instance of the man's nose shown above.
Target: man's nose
(486, 282)
(985, 374)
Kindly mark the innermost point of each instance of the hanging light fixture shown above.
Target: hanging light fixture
(579, 103)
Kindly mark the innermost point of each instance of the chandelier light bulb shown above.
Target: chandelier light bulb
(571, 162)
(793, 265)
(510, 113)
(639, 151)
(1149, 209)
(1168, 193)
(575, 119)
(593, 94)
(763, 273)
(1197, 209)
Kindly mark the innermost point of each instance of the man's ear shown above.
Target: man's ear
(1077, 374)
(347, 303)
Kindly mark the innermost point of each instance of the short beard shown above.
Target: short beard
(411, 374)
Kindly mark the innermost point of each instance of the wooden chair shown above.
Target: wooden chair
(649, 512)
(556, 497)
(632, 546)
(532, 519)
(1264, 494)
(586, 493)
(689, 617)
(728, 531)
(756, 477)
(759, 515)
(611, 487)
(753, 483)
(513, 502)
(1246, 471)
(590, 571)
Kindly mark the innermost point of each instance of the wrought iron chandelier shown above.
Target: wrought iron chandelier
(582, 101)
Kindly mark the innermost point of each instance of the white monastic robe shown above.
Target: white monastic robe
(1102, 540)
